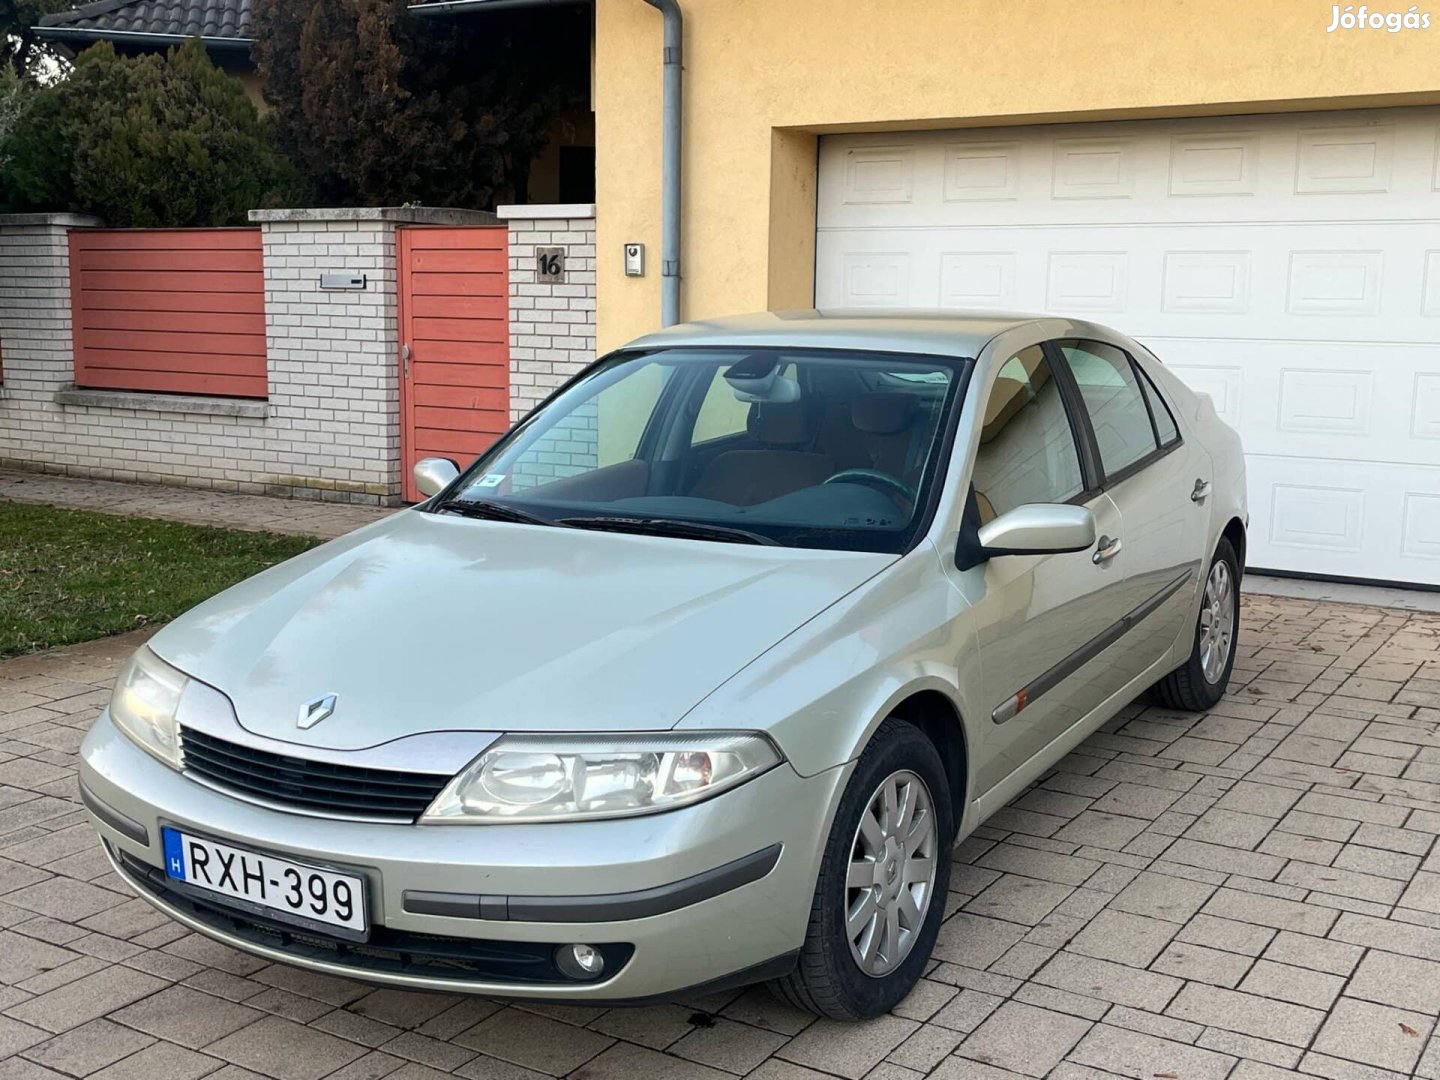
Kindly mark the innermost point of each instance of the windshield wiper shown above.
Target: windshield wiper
(652, 526)
(490, 511)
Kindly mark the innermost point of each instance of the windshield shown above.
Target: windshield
(801, 447)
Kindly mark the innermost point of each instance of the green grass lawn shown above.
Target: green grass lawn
(73, 575)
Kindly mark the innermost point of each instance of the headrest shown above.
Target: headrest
(779, 424)
(882, 412)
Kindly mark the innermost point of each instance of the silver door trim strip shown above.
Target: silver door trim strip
(1067, 666)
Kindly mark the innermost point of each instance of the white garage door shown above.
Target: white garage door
(1289, 266)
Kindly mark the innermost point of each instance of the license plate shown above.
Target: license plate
(292, 891)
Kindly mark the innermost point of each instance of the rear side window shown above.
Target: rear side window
(1114, 400)
(1164, 422)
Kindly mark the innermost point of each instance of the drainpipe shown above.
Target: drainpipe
(670, 164)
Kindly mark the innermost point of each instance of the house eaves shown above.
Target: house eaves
(454, 7)
(219, 24)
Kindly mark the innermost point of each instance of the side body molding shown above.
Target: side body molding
(1067, 666)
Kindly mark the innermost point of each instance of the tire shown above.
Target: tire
(829, 979)
(1189, 687)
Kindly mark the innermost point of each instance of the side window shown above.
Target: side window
(1113, 398)
(605, 431)
(1164, 421)
(721, 413)
(624, 410)
(1027, 450)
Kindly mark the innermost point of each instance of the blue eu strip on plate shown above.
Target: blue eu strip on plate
(174, 855)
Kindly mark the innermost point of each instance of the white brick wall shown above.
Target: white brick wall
(331, 427)
(552, 327)
(37, 352)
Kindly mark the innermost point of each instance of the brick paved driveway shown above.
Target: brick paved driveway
(1243, 894)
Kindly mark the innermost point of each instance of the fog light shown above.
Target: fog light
(580, 961)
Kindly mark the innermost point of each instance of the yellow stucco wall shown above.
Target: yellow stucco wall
(763, 77)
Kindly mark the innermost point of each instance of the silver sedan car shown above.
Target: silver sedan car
(695, 678)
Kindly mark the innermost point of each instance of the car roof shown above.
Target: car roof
(936, 333)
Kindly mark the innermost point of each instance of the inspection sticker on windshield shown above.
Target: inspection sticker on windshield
(491, 480)
(292, 891)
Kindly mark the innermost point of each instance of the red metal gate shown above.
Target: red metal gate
(455, 343)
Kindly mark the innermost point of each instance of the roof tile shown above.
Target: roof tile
(181, 18)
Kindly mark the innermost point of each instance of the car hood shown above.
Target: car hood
(436, 623)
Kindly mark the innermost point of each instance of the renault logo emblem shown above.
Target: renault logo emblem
(315, 710)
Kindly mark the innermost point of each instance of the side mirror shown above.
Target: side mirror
(1038, 529)
(434, 474)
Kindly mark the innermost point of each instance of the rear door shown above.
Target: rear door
(1150, 472)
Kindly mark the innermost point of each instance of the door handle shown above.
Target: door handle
(405, 356)
(1107, 549)
(1200, 491)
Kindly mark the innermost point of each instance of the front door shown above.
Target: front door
(1035, 614)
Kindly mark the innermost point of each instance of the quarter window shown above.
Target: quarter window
(1164, 422)
(1114, 400)
(1027, 449)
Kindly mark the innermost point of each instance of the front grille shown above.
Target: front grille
(394, 952)
(317, 786)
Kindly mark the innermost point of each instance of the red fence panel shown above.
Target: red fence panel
(171, 310)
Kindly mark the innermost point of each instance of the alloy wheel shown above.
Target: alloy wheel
(1217, 622)
(890, 880)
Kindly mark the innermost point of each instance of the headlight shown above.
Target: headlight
(564, 778)
(143, 705)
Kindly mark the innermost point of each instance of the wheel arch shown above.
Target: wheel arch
(1234, 531)
(938, 718)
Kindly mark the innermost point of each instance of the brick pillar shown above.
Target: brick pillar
(552, 325)
(334, 354)
(37, 350)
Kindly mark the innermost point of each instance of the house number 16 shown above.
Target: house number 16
(550, 265)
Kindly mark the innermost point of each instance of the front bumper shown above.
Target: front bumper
(641, 867)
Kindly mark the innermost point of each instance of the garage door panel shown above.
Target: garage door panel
(1287, 265)
(873, 279)
(1301, 282)
(1430, 289)
(1359, 520)
(1425, 420)
(1224, 382)
(1330, 400)
(1220, 170)
(979, 279)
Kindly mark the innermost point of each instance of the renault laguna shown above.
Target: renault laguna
(696, 676)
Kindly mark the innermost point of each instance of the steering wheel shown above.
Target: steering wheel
(875, 478)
